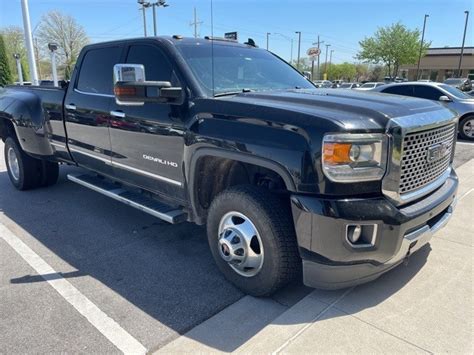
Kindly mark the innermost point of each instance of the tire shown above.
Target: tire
(278, 262)
(49, 173)
(26, 172)
(466, 128)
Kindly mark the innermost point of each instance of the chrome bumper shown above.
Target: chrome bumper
(418, 238)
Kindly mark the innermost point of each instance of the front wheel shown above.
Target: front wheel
(466, 128)
(252, 238)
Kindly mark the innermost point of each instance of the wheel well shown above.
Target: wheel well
(469, 114)
(6, 129)
(215, 174)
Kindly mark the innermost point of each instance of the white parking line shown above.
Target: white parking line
(465, 143)
(101, 321)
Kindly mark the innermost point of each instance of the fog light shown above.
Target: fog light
(361, 235)
(353, 233)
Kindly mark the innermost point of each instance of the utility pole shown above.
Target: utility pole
(29, 42)
(18, 68)
(330, 58)
(326, 63)
(144, 5)
(268, 35)
(421, 47)
(463, 40)
(319, 47)
(195, 24)
(299, 48)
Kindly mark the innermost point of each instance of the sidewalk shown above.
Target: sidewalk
(426, 306)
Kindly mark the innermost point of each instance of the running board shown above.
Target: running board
(146, 204)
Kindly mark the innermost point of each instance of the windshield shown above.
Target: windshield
(368, 85)
(455, 92)
(346, 85)
(238, 69)
(453, 81)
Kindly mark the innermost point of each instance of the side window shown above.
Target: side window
(405, 90)
(157, 66)
(96, 73)
(427, 92)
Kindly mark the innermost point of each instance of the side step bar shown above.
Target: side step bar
(146, 204)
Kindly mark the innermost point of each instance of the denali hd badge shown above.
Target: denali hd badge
(161, 161)
(437, 152)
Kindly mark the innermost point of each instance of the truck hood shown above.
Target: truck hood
(349, 109)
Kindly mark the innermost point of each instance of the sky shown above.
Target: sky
(340, 23)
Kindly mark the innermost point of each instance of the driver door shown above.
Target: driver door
(148, 140)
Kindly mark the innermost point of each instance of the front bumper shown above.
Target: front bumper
(329, 260)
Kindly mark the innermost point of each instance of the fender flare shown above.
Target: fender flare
(240, 157)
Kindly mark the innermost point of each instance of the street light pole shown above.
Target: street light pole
(421, 46)
(29, 42)
(463, 40)
(326, 63)
(18, 68)
(268, 35)
(144, 5)
(160, 3)
(53, 47)
(299, 48)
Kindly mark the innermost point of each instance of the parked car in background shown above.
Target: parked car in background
(349, 85)
(322, 83)
(425, 81)
(450, 96)
(389, 79)
(463, 84)
(369, 86)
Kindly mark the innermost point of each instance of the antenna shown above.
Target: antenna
(212, 47)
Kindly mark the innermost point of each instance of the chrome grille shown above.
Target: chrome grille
(416, 170)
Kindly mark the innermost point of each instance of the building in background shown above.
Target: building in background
(441, 63)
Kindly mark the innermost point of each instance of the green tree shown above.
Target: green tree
(5, 73)
(15, 44)
(394, 45)
(376, 73)
(361, 71)
(67, 33)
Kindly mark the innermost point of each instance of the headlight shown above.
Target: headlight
(354, 157)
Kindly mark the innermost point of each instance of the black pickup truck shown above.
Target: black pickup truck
(339, 186)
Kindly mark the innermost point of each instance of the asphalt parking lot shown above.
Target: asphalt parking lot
(131, 274)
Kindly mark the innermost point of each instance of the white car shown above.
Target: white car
(369, 86)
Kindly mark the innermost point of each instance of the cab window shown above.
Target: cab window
(96, 73)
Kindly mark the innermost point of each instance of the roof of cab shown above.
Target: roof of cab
(177, 40)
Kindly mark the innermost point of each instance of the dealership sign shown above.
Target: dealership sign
(231, 35)
(313, 52)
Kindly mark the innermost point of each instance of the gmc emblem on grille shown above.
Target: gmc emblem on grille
(437, 152)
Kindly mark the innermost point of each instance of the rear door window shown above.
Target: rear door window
(405, 90)
(96, 73)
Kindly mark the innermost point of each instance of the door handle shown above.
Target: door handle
(71, 107)
(118, 114)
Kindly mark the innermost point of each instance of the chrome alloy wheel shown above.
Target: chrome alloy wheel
(13, 164)
(240, 244)
(468, 127)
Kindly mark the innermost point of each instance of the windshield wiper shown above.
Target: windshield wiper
(232, 92)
